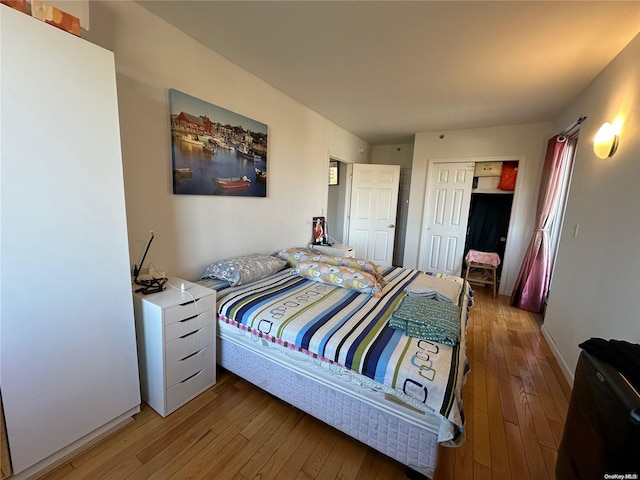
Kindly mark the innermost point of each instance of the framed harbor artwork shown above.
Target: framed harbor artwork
(216, 151)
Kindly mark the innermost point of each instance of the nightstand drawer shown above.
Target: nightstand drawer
(188, 325)
(189, 388)
(189, 309)
(184, 346)
(183, 369)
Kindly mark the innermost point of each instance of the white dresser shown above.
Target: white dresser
(176, 333)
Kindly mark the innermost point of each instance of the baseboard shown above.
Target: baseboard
(568, 373)
(505, 292)
(76, 448)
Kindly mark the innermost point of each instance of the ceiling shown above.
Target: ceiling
(385, 70)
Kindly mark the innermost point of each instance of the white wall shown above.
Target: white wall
(526, 143)
(596, 283)
(395, 154)
(191, 231)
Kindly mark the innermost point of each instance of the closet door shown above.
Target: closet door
(68, 350)
(447, 206)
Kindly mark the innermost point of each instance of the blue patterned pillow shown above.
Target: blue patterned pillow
(244, 269)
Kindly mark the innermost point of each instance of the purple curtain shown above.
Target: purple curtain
(532, 283)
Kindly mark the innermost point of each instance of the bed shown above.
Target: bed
(330, 350)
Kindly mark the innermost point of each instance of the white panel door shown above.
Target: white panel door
(374, 201)
(448, 199)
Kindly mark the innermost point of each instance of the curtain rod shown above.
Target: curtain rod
(573, 125)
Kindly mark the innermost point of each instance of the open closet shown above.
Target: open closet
(468, 205)
(490, 207)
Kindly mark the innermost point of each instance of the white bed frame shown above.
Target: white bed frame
(369, 422)
(346, 400)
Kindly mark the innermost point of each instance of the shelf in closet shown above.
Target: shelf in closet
(491, 190)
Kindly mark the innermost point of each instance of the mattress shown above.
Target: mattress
(412, 445)
(328, 374)
(341, 339)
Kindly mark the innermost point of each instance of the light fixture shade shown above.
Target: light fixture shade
(606, 141)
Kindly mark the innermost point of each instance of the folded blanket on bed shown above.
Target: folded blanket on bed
(427, 319)
(436, 288)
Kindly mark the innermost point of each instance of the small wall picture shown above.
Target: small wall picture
(319, 231)
(216, 151)
(333, 172)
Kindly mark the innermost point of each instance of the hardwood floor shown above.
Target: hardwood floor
(515, 401)
(515, 398)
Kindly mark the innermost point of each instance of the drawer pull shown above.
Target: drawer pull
(189, 334)
(187, 303)
(190, 377)
(190, 355)
(187, 319)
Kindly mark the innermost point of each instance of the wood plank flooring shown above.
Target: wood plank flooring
(515, 401)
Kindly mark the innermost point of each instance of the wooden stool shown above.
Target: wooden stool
(482, 273)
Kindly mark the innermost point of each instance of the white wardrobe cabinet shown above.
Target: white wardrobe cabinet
(68, 370)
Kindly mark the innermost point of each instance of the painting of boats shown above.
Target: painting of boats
(216, 151)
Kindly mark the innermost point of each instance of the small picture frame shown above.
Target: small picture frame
(319, 231)
(333, 172)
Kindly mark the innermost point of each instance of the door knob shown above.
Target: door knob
(392, 226)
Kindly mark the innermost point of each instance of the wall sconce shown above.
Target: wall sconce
(605, 143)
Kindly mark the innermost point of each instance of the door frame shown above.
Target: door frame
(347, 194)
(509, 253)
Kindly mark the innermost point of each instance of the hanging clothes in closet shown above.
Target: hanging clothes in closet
(488, 222)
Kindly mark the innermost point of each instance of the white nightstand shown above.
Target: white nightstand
(336, 250)
(176, 338)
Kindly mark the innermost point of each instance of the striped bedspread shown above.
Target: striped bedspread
(352, 329)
